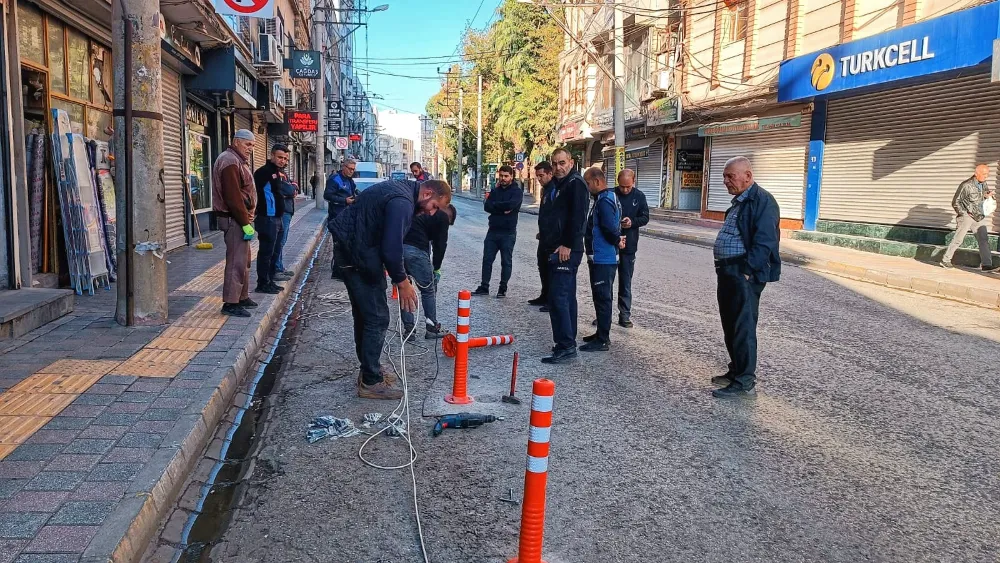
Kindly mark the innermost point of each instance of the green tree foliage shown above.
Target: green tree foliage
(518, 58)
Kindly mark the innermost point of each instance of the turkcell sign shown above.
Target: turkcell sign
(960, 40)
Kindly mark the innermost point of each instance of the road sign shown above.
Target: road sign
(619, 160)
(342, 143)
(519, 157)
(519, 165)
(334, 126)
(251, 8)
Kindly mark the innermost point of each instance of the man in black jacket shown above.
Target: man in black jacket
(503, 205)
(635, 214)
(547, 237)
(569, 222)
(267, 222)
(746, 259)
(368, 241)
(340, 192)
(427, 232)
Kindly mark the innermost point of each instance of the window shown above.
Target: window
(199, 170)
(57, 58)
(75, 112)
(98, 125)
(734, 21)
(30, 32)
(79, 66)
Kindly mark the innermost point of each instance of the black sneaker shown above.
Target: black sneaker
(540, 300)
(735, 391)
(409, 333)
(234, 310)
(991, 268)
(596, 345)
(590, 338)
(502, 292)
(434, 332)
(276, 287)
(722, 380)
(560, 356)
(267, 289)
(625, 322)
(481, 290)
(544, 309)
(248, 303)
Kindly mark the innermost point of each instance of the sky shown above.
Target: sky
(411, 29)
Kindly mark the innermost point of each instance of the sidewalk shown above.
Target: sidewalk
(100, 424)
(908, 274)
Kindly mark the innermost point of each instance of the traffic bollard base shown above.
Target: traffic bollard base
(451, 399)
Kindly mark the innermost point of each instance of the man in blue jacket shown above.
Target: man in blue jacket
(503, 205)
(602, 241)
(288, 191)
(746, 259)
(340, 192)
(267, 220)
(635, 214)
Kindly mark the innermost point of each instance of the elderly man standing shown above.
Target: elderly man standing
(635, 214)
(969, 201)
(234, 200)
(746, 259)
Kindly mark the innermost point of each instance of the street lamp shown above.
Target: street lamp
(380, 8)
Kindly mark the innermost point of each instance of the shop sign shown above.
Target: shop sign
(305, 64)
(604, 120)
(689, 161)
(251, 8)
(245, 86)
(691, 180)
(302, 121)
(569, 131)
(354, 137)
(754, 125)
(959, 40)
(637, 153)
(196, 115)
(635, 132)
(179, 45)
(619, 160)
(663, 111)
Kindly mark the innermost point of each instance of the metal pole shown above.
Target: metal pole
(479, 141)
(142, 282)
(461, 164)
(619, 85)
(321, 109)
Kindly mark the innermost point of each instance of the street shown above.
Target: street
(873, 436)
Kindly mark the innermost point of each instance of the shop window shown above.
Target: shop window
(199, 170)
(734, 21)
(30, 34)
(57, 58)
(75, 112)
(98, 125)
(103, 75)
(79, 66)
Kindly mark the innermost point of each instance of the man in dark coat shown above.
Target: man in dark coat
(635, 215)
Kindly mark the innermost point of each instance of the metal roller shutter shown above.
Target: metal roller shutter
(779, 166)
(173, 168)
(897, 157)
(609, 170)
(243, 122)
(649, 173)
(261, 148)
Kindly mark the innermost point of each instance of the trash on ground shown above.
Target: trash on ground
(372, 418)
(330, 427)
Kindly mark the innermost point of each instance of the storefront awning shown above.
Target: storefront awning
(634, 149)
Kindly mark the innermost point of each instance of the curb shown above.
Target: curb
(127, 532)
(934, 288)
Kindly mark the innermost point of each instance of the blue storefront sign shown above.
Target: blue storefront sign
(960, 40)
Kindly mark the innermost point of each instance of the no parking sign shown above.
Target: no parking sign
(253, 8)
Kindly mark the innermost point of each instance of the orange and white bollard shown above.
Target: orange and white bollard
(449, 344)
(460, 388)
(536, 473)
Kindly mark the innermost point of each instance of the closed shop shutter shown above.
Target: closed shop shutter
(897, 157)
(609, 169)
(173, 168)
(243, 122)
(779, 166)
(649, 175)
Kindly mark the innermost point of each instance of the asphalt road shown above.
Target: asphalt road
(873, 438)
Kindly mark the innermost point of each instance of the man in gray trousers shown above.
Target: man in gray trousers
(969, 203)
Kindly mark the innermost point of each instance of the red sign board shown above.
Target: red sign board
(257, 8)
(354, 137)
(569, 131)
(302, 121)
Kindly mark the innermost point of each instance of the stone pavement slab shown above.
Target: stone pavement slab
(99, 424)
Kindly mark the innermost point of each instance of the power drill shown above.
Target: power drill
(463, 420)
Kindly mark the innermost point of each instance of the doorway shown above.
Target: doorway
(688, 167)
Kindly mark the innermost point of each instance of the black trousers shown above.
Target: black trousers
(626, 268)
(504, 244)
(562, 299)
(602, 278)
(269, 231)
(371, 319)
(739, 303)
(543, 269)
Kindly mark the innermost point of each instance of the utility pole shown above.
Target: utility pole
(619, 85)
(320, 108)
(461, 164)
(138, 142)
(479, 141)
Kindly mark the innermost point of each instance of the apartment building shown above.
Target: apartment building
(852, 111)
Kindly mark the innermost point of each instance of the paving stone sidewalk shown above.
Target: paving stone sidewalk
(100, 424)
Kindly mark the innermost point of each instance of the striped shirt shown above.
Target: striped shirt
(729, 243)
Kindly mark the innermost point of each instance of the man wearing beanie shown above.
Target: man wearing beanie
(234, 200)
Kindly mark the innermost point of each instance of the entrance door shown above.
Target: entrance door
(688, 163)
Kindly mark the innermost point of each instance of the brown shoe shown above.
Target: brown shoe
(381, 391)
(389, 376)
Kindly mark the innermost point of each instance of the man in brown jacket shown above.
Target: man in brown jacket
(234, 200)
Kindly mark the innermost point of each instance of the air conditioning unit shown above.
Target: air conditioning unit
(664, 79)
(290, 100)
(269, 59)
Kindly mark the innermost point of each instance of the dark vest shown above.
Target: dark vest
(358, 228)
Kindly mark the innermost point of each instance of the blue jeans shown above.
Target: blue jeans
(268, 232)
(504, 244)
(286, 223)
(371, 319)
(562, 299)
(418, 265)
(626, 269)
(602, 278)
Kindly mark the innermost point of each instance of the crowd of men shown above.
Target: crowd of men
(399, 229)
